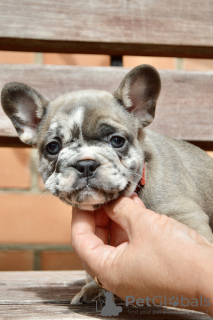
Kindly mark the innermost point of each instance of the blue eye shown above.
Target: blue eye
(117, 142)
(53, 148)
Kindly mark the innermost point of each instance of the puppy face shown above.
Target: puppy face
(89, 150)
(89, 142)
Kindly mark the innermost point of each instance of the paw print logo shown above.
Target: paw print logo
(174, 301)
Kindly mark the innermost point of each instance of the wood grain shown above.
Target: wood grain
(184, 110)
(158, 28)
(46, 295)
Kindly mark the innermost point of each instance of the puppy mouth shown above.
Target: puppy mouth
(90, 197)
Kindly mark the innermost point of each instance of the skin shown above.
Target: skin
(155, 256)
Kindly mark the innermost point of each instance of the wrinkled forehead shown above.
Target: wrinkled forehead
(83, 112)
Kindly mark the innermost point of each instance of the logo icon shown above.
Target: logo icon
(110, 308)
(174, 301)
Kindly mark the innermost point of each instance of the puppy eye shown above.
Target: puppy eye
(53, 148)
(117, 142)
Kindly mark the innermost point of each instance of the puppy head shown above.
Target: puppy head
(88, 141)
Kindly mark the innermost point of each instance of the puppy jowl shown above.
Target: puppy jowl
(94, 147)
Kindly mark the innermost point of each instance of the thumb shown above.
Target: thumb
(124, 211)
(90, 248)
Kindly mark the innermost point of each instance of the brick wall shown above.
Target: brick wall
(35, 226)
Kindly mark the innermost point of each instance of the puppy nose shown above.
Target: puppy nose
(87, 167)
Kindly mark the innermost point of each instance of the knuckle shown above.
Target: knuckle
(121, 206)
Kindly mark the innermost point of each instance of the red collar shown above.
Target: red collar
(142, 181)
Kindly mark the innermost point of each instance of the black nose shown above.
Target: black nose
(87, 167)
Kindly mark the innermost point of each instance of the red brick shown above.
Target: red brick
(76, 59)
(60, 261)
(15, 168)
(27, 218)
(16, 57)
(198, 64)
(16, 260)
(159, 63)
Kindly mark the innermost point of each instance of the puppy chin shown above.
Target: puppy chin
(88, 207)
(89, 200)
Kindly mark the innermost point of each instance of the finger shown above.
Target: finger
(101, 218)
(82, 220)
(124, 211)
(117, 234)
(102, 225)
(137, 200)
(89, 247)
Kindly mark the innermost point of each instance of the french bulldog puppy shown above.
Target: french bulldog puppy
(93, 148)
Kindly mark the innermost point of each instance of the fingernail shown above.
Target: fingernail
(137, 200)
(134, 195)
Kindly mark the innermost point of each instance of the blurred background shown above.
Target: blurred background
(34, 225)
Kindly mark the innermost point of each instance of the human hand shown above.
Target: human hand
(149, 255)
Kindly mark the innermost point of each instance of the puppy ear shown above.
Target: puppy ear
(25, 107)
(139, 91)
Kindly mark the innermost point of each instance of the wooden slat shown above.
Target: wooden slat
(59, 311)
(184, 110)
(32, 287)
(159, 28)
(46, 295)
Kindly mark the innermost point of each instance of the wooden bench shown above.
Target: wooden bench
(46, 295)
(155, 28)
(166, 28)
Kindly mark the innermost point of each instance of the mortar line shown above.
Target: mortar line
(179, 63)
(37, 260)
(38, 58)
(36, 247)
